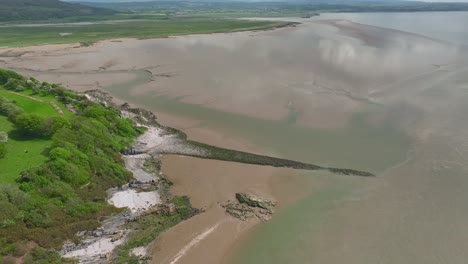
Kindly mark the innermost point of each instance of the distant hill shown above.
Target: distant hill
(223, 7)
(13, 10)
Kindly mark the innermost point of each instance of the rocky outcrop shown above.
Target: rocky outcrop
(254, 201)
(173, 141)
(166, 209)
(247, 206)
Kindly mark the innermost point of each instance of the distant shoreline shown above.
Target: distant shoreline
(67, 33)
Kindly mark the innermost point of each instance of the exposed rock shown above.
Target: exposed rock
(117, 236)
(254, 201)
(99, 96)
(240, 211)
(162, 209)
(247, 206)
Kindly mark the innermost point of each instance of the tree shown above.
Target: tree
(29, 124)
(10, 109)
(52, 124)
(5, 75)
(15, 84)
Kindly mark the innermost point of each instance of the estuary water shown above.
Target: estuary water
(414, 212)
(380, 92)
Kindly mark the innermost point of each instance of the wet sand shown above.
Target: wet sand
(209, 183)
(350, 97)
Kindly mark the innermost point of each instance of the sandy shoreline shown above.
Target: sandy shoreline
(209, 183)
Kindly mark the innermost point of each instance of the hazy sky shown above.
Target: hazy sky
(446, 1)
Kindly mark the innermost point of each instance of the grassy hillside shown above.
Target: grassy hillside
(56, 166)
(22, 154)
(13, 10)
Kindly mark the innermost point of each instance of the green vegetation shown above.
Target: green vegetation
(45, 9)
(217, 153)
(150, 226)
(56, 166)
(45, 256)
(13, 36)
(3, 150)
(22, 154)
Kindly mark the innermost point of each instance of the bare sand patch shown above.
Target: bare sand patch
(134, 200)
(193, 69)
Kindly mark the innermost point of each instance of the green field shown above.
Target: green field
(40, 106)
(23, 154)
(24, 35)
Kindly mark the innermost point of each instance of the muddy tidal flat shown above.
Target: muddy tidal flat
(388, 95)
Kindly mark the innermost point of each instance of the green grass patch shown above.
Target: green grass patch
(13, 36)
(23, 154)
(43, 107)
(29, 105)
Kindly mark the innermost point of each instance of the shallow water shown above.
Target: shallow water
(412, 214)
(447, 26)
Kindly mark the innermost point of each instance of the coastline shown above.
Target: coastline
(77, 44)
(282, 185)
(215, 236)
(210, 183)
(208, 188)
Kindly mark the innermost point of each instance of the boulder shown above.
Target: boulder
(254, 201)
(248, 206)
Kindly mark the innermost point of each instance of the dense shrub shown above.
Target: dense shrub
(3, 137)
(15, 85)
(3, 150)
(41, 255)
(29, 124)
(10, 109)
(5, 75)
(52, 124)
(8, 215)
